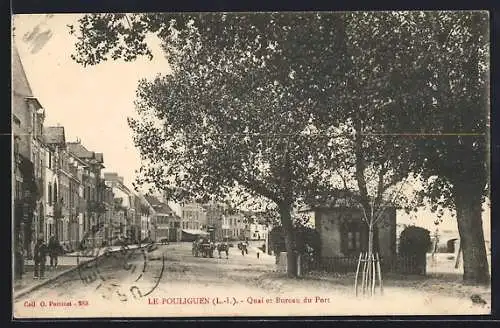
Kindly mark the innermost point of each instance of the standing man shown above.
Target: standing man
(19, 264)
(54, 249)
(40, 256)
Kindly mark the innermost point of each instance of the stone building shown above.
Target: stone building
(165, 223)
(193, 217)
(124, 212)
(146, 211)
(28, 150)
(215, 213)
(343, 232)
(233, 226)
(55, 141)
(91, 205)
(109, 205)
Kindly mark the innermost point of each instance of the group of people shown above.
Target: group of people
(53, 249)
(243, 247)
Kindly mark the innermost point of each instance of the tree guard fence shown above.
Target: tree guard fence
(371, 274)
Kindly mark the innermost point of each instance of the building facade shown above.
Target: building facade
(109, 206)
(215, 213)
(255, 231)
(27, 162)
(193, 217)
(91, 205)
(166, 224)
(343, 233)
(145, 217)
(124, 212)
(233, 226)
(55, 141)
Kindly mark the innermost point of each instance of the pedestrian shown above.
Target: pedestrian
(40, 257)
(19, 268)
(54, 250)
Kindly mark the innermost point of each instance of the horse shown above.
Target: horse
(223, 247)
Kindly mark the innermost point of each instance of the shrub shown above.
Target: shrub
(414, 241)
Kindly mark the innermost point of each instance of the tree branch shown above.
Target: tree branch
(383, 208)
(258, 187)
(360, 166)
(380, 187)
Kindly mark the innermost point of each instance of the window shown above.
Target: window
(18, 190)
(50, 160)
(355, 238)
(16, 145)
(50, 194)
(55, 193)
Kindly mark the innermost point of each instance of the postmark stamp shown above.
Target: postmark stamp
(130, 258)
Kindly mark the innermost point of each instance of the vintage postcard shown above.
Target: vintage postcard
(250, 164)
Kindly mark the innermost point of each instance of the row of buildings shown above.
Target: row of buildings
(59, 188)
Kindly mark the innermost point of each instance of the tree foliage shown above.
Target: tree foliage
(236, 112)
(276, 104)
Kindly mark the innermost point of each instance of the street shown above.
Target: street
(183, 285)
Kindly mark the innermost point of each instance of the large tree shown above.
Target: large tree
(418, 102)
(237, 111)
(452, 101)
(253, 99)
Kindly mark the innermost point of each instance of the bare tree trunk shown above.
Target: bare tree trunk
(286, 220)
(470, 228)
(370, 238)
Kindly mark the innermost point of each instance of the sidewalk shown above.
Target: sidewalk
(28, 283)
(66, 264)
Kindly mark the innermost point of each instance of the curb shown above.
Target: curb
(31, 289)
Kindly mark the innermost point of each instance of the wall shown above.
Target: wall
(328, 227)
(328, 223)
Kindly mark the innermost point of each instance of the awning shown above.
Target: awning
(195, 232)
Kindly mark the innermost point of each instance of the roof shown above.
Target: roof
(37, 104)
(79, 150)
(159, 206)
(20, 84)
(336, 199)
(195, 232)
(54, 135)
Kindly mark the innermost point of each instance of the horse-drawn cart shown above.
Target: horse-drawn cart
(203, 247)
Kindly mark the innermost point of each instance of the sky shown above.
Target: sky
(93, 103)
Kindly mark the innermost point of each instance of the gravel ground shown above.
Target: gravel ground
(182, 285)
